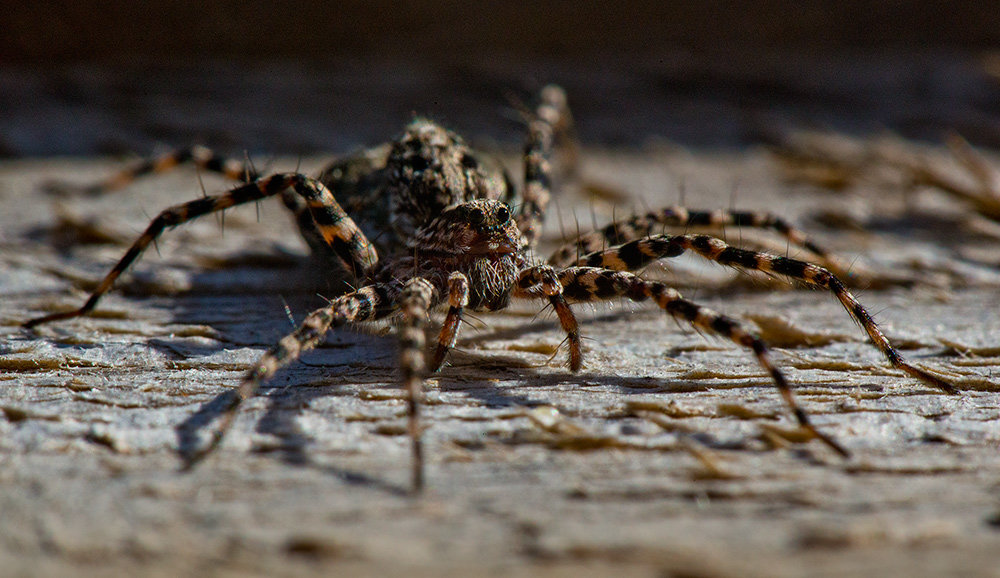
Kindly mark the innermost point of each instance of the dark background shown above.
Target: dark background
(302, 77)
(447, 30)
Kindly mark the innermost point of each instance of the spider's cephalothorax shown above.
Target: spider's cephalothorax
(425, 221)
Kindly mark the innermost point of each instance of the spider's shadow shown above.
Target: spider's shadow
(279, 421)
(474, 376)
(256, 318)
(929, 227)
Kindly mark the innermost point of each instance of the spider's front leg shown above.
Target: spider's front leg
(541, 281)
(637, 254)
(415, 301)
(533, 283)
(366, 304)
(582, 284)
(458, 299)
(331, 224)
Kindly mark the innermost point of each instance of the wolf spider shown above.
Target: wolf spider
(458, 232)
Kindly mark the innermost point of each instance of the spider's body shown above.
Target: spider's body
(393, 190)
(425, 221)
(430, 207)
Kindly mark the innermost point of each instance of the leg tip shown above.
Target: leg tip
(831, 443)
(931, 379)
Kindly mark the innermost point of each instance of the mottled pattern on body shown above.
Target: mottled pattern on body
(424, 222)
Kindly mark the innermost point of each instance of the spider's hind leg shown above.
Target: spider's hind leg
(202, 157)
(237, 170)
(550, 125)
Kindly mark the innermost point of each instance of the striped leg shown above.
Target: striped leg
(207, 160)
(594, 284)
(416, 299)
(641, 226)
(366, 304)
(458, 299)
(542, 282)
(550, 122)
(202, 157)
(337, 229)
(637, 254)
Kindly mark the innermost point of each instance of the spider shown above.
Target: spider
(434, 223)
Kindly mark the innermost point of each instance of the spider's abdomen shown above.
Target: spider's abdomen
(430, 168)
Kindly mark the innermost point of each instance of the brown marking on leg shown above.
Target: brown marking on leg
(458, 299)
(542, 281)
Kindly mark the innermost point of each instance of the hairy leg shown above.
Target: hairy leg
(582, 284)
(641, 226)
(637, 254)
(337, 229)
(542, 282)
(202, 157)
(238, 170)
(366, 304)
(415, 301)
(458, 299)
(550, 121)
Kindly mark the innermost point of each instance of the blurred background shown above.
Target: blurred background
(298, 77)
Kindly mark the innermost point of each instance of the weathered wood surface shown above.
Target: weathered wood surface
(661, 466)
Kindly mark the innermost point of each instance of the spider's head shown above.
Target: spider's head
(480, 227)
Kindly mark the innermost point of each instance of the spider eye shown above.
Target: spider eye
(477, 216)
(418, 164)
(469, 161)
(503, 214)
